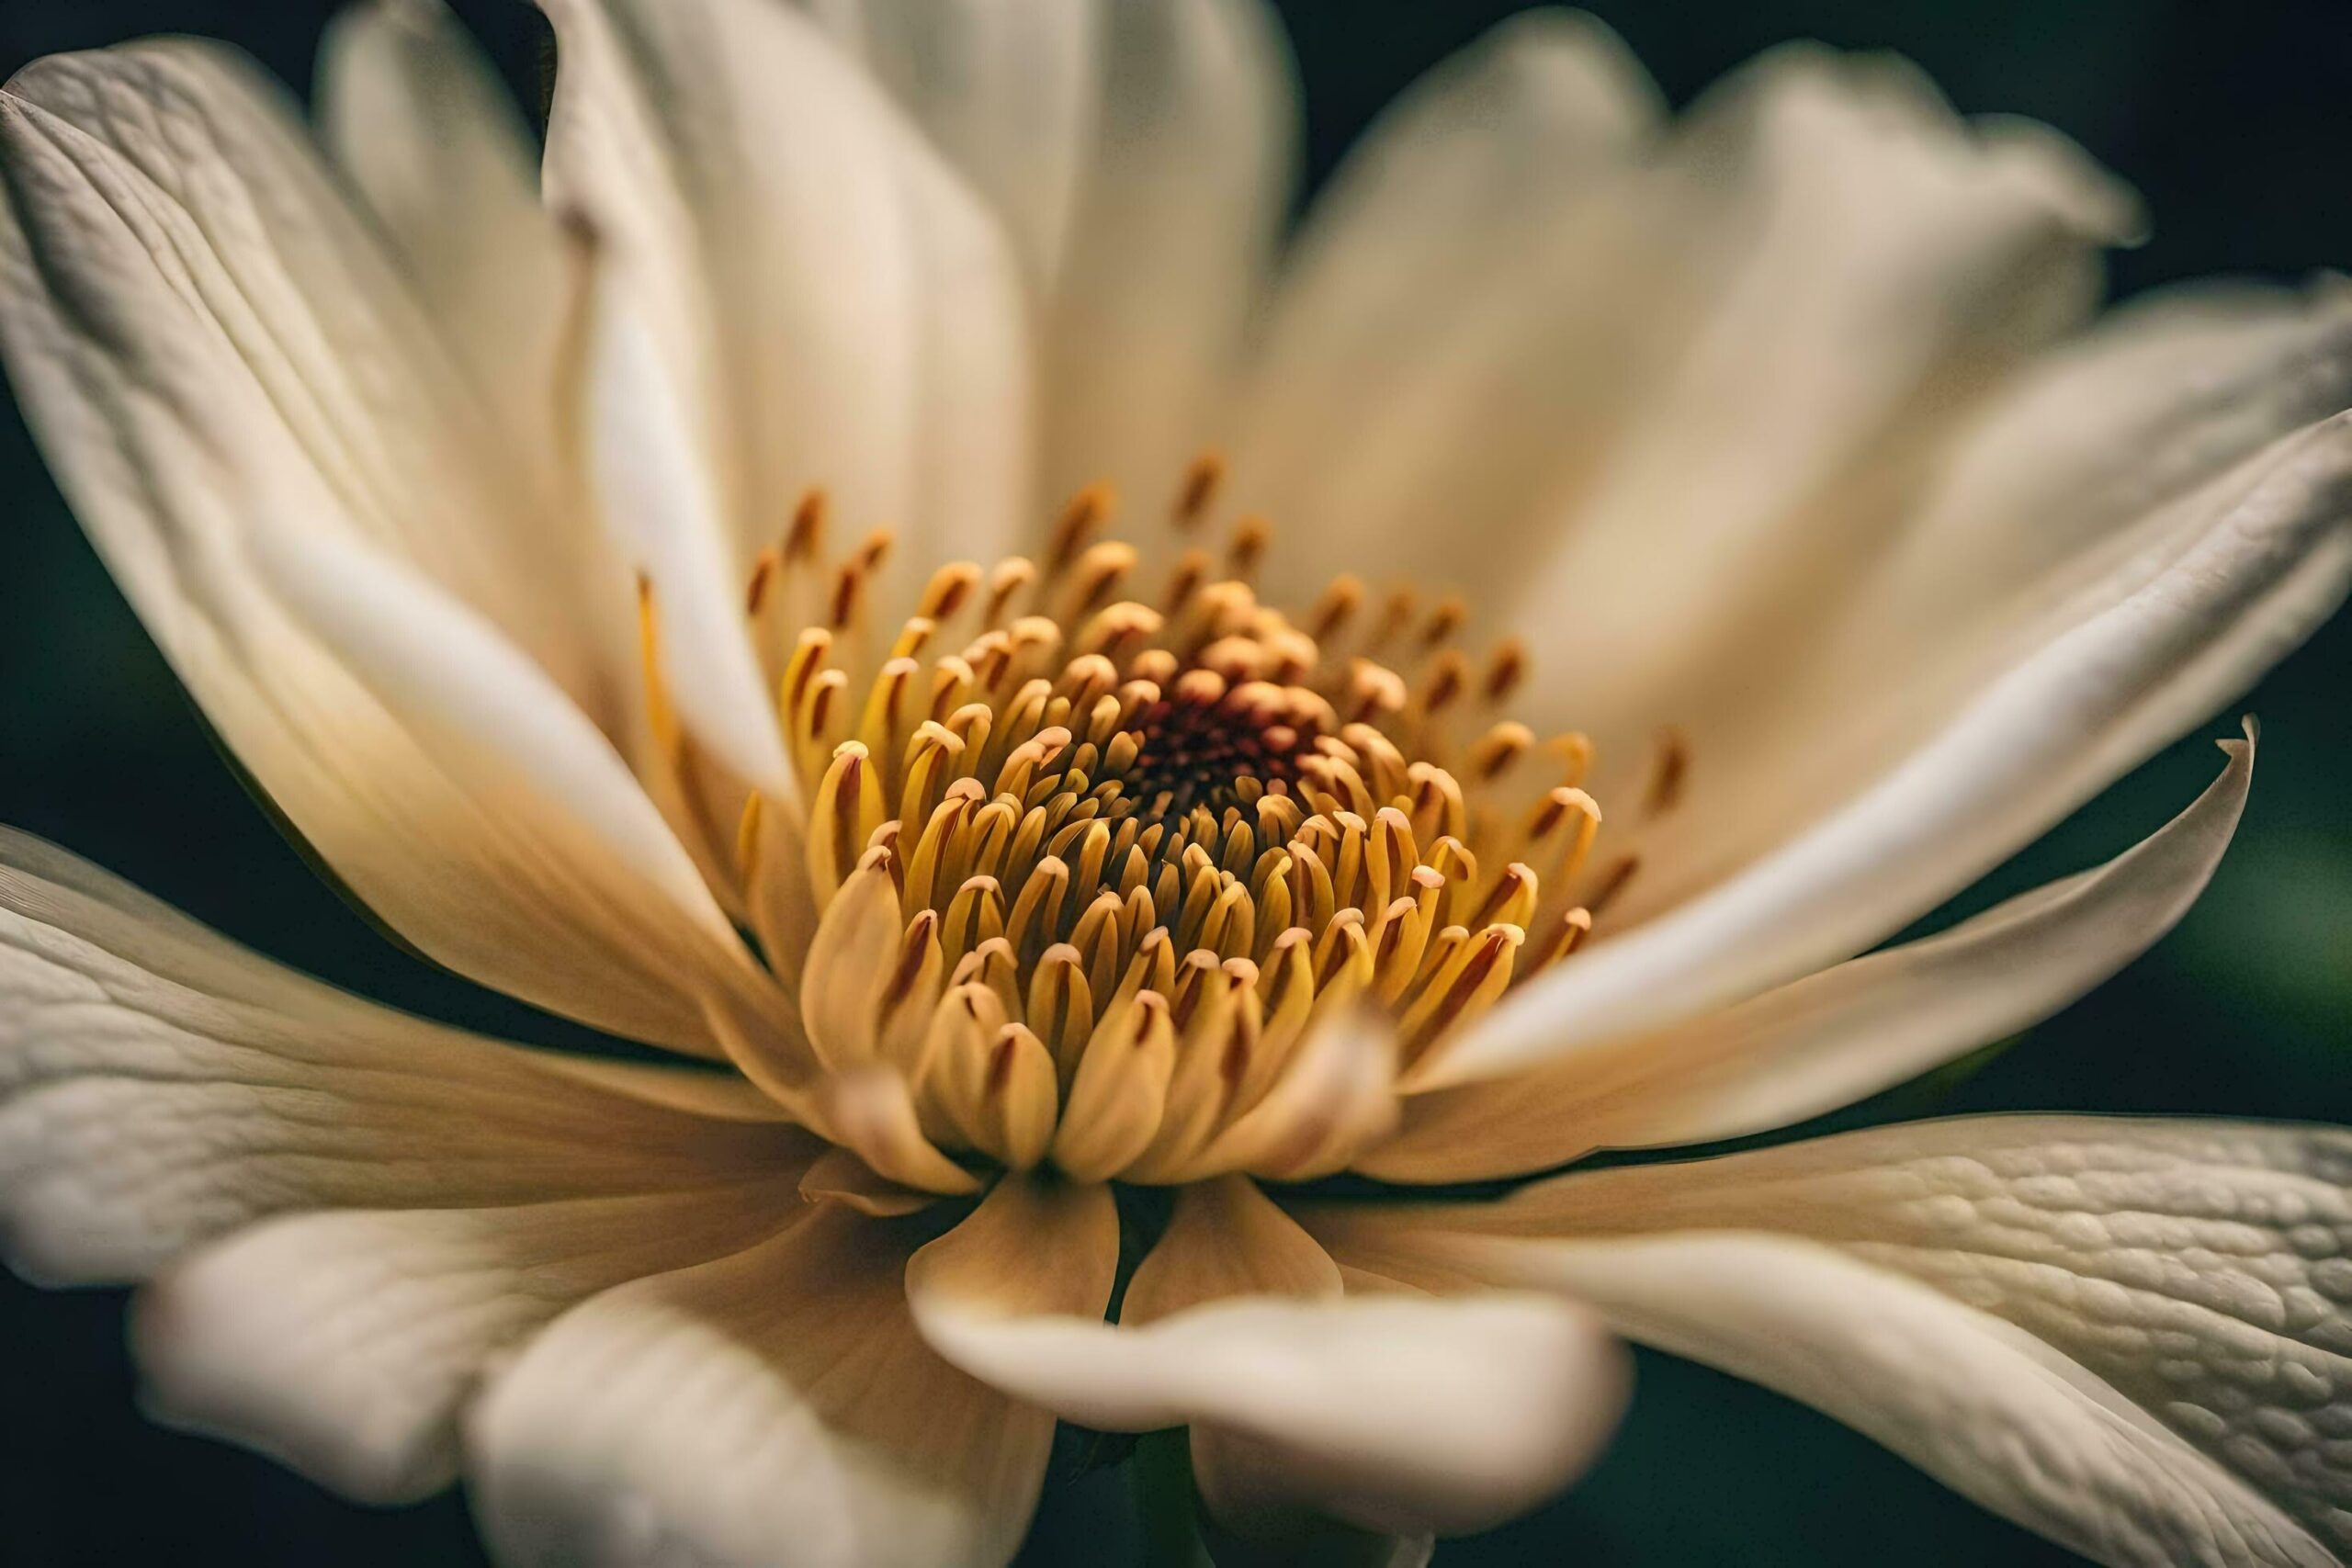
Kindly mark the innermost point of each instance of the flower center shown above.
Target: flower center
(1215, 745)
(1110, 866)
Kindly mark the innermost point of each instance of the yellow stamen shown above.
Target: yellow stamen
(1113, 873)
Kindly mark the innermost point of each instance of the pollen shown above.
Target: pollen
(1102, 860)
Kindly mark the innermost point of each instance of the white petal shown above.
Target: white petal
(1659, 389)
(1011, 95)
(775, 1409)
(178, 262)
(2128, 1335)
(2070, 472)
(841, 312)
(654, 489)
(1409, 372)
(2076, 486)
(2266, 560)
(159, 1087)
(348, 1344)
(1868, 267)
(1835, 1037)
(188, 318)
(1140, 153)
(1168, 253)
(1392, 1414)
(418, 118)
(484, 710)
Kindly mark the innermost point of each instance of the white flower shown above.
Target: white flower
(492, 536)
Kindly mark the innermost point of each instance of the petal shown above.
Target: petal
(2072, 467)
(185, 311)
(1388, 319)
(2268, 559)
(653, 485)
(417, 116)
(1835, 1037)
(2128, 1335)
(1009, 95)
(1227, 1238)
(1140, 153)
(2077, 484)
(176, 262)
(1866, 267)
(159, 1087)
(2061, 498)
(1392, 1414)
(348, 1344)
(1724, 348)
(841, 313)
(774, 1407)
(1183, 195)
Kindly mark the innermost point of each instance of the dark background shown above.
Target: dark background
(2233, 121)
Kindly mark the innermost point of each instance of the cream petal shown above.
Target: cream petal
(773, 1408)
(177, 262)
(2268, 561)
(164, 294)
(417, 116)
(485, 712)
(1836, 1036)
(653, 489)
(2128, 1334)
(1140, 153)
(1386, 345)
(1678, 352)
(1009, 95)
(159, 1087)
(348, 1344)
(2071, 471)
(839, 313)
(1226, 1237)
(1867, 267)
(510, 744)
(1395, 1415)
(1177, 213)
(2071, 488)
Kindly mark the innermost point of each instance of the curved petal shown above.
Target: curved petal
(1411, 370)
(654, 489)
(773, 1408)
(1866, 266)
(1011, 95)
(1728, 347)
(2130, 1335)
(417, 118)
(184, 308)
(2089, 475)
(1394, 1415)
(348, 1344)
(839, 313)
(1169, 245)
(159, 1087)
(2269, 559)
(1140, 154)
(176, 261)
(1835, 1037)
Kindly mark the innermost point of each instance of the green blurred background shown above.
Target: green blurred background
(2235, 122)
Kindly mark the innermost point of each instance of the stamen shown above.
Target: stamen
(1108, 872)
(1202, 479)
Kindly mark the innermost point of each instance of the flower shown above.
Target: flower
(650, 602)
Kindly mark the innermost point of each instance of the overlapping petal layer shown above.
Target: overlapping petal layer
(1761, 424)
(2130, 1335)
